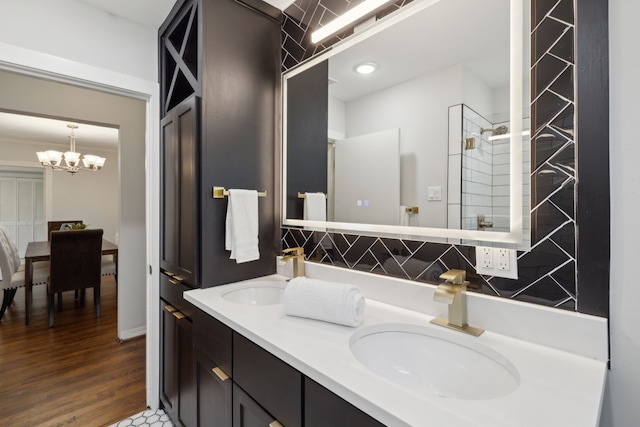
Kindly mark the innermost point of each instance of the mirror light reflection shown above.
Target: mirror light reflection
(439, 91)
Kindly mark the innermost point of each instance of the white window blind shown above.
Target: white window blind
(22, 206)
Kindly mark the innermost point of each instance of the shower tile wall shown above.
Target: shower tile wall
(477, 172)
(547, 273)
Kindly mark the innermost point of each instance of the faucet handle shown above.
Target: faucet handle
(297, 251)
(454, 276)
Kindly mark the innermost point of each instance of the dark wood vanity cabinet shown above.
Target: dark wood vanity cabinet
(247, 412)
(324, 408)
(241, 384)
(272, 383)
(212, 343)
(177, 370)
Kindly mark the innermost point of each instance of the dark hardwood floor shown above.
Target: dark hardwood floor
(75, 373)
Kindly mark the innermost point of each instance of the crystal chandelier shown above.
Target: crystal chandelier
(71, 158)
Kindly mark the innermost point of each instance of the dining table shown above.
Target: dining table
(41, 251)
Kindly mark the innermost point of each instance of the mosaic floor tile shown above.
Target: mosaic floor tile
(149, 418)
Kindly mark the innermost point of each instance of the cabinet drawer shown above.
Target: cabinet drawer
(214, 394)
(171, 291)
(213, 338)
(324, 408)
(276, 386)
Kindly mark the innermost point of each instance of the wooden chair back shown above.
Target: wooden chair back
(76, 258)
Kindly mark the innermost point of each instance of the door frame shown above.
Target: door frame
(36, 64)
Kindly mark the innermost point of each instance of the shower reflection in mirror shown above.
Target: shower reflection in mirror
(479, 152)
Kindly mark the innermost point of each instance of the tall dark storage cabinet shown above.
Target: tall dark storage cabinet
(219, 84)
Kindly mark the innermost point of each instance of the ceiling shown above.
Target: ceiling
(151, 12)
(21, 128)
(146, 12)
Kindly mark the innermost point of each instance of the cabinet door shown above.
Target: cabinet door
(275, 385)
(177, 374)
(247, 413)
(168, 371)
(179, 241)
(323, 408)
(214, 393)
(187, 391)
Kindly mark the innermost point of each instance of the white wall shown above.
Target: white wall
(72, 30)
(420, 109)
(88, 196)
(621, 407)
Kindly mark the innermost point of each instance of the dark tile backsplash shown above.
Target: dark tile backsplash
(547, 273)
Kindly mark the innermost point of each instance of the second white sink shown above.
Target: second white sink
(429, 360)
(261, 292)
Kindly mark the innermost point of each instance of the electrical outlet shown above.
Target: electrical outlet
(497, 262)
(484, 260)
(503, 259)
(486, 257)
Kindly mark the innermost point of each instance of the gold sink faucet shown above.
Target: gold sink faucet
(297, 255)
(453, 291)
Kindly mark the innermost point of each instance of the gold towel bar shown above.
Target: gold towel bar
(304, 195)
(221, 193)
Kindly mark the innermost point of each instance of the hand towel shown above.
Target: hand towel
(315, 207)
(327, 301)
(241, 226)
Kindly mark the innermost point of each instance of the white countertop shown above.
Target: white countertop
(557, 388)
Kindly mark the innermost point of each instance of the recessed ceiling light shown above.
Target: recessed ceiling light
(366, 68)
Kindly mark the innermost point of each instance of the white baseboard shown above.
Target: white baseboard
(132, 333)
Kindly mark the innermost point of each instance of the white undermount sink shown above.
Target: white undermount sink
(427, 359)
(260, 292)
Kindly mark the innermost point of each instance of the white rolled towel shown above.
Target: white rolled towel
(327, 301)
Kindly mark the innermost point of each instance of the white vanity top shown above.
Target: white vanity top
(557, 387)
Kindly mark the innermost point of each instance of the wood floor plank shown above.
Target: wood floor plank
(74, 374)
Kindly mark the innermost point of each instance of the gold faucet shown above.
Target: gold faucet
(297, 255)
(453, 291)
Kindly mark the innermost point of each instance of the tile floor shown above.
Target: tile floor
(148, 418)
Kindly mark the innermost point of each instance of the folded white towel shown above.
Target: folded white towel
(331, 302)
(315, 207)
(241, 226)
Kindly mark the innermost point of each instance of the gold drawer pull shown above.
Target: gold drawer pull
(174, 281)
(220, 374)
(179, 278)
(170, 308)
(178, 315)
(275, 424)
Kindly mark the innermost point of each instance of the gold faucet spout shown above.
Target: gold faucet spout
(453, 292)
(297, 255)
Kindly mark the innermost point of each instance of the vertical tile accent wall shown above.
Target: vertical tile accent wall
(547, 272)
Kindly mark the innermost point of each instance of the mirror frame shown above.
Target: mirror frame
(511, 239)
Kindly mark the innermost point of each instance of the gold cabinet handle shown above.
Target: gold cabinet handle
(275, 423)
(178, 315)
(179, 278)
(174, 281)
(220, 374)
(170, 308)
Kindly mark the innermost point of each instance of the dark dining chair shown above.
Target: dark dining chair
(13, 272)
(75, 265)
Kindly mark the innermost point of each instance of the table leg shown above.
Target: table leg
(28, 270)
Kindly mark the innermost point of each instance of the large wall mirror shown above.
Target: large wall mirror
(432, 145)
